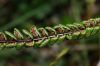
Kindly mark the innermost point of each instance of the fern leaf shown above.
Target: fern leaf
(40, 37)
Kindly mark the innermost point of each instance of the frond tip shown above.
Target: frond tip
(39, 37)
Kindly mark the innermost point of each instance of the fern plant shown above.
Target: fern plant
(39, 37)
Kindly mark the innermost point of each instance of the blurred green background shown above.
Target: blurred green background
(22, 14)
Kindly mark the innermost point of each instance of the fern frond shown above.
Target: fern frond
(39, 37)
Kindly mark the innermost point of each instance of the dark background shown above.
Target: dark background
(23, 14)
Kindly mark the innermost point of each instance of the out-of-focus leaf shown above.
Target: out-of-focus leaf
(42, 10)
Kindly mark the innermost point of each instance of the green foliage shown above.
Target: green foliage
(39, 37)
